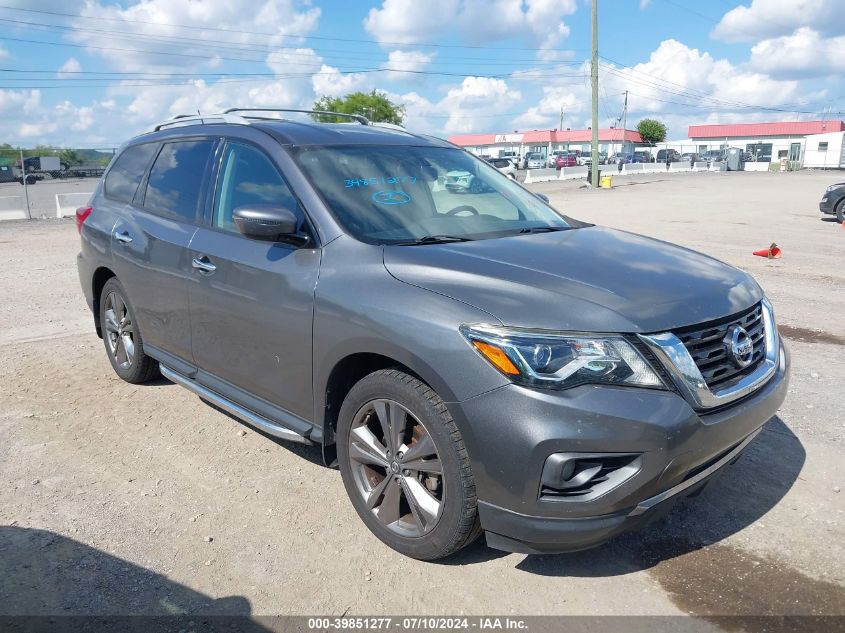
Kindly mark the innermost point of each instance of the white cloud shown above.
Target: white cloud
(772, 18)
(644, 4)
(333, 83)
(467, 106)
(805, 53)
(4, 53)
(408, 62)
(69, 69)
(19, 101)
(476, 21)
(231, 25)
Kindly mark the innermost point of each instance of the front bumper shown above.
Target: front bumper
(511, 431)
(826, 205)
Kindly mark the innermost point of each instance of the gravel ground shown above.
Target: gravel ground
(120, 499)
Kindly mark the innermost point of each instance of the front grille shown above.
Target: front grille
(706, 345)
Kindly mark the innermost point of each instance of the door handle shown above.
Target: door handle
(203, 264)
(122, 236)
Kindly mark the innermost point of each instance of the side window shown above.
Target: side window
(176, 179)
(247, 177)
(128, 172)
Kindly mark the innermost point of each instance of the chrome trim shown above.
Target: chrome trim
(685, 374)
(203, 265)
(649, 503)
(235, 409)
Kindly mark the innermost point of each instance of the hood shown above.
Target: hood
(590, 279)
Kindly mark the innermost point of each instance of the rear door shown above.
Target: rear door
(150, 244)
(252, 300)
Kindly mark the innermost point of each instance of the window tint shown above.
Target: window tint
(128, 171)
(176, 179)
(248, 178)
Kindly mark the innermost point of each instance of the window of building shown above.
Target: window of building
(128, 171)
(822, 146)
(176, 179)
(760, 152)
(783, 153)
(248, 178)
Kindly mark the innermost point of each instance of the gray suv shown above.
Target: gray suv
(473, 362)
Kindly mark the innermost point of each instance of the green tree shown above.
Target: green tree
(374, 105)
(652, 131)
(69, 157)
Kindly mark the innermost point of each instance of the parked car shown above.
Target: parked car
(643, 157)
(490, 367)
(513, 157)
(568, 159)
(587, 158)
(460, 180)
(504, 165)
(668, 156)
(626, 157)
(833, 202)
(534, 160)
(553, 156)
(690, 157)
(713, 155)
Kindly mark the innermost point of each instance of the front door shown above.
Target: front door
(252, 300)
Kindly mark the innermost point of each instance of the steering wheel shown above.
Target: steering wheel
(464, 207)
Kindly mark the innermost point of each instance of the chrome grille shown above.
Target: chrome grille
(705, 344)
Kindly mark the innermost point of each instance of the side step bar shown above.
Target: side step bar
(236, 410)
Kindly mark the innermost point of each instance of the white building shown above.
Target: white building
(825, 151)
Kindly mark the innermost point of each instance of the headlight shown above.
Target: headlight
(559, 361)
(835, 187)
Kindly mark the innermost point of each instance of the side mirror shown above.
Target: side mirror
(267, 222)
(542, 197)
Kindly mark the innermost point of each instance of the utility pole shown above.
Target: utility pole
(625, 123)
(594, 78)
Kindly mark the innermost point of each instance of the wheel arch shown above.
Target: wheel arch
(98, 280)
(352, 366)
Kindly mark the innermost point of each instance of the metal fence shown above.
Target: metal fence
(42, 181)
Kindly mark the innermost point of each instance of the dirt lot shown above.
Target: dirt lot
(141, 499)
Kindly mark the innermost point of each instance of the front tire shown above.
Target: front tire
(121, 336)
(840, 211)
(405, 467)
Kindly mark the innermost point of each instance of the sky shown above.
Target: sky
(84, 73)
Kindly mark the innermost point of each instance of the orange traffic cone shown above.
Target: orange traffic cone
(773, 252)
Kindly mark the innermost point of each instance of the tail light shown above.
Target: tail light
(82, 214)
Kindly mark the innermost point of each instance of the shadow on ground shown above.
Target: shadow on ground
(52, 583)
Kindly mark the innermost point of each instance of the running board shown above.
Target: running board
(236, 410)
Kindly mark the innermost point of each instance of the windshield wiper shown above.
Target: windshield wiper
(544, 229)
(435, 239)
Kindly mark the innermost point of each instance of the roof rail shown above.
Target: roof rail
(188, 119)
(357, 117)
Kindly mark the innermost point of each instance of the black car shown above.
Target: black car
(833, 202)
(668, 156)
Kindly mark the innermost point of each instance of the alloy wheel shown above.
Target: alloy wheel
(120, 331)
(396, 468)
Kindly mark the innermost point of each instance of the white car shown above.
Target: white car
(504, 165)
(534, 161)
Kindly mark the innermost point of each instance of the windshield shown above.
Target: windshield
(405, 194)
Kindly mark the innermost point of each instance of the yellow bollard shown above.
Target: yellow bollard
(606, 182)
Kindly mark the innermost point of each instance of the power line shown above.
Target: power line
(278, 34)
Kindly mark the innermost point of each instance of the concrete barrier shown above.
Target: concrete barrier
(542, 175)
(570, 173)
(633, 168)
(679, 167)
(12, 208)
(718, 165)
(67, 203)
(700, 166)
(757, 166)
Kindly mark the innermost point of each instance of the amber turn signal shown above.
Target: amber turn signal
(496, 356)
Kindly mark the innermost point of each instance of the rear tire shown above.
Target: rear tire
(840, 211)
(424, 507)
(122, 337)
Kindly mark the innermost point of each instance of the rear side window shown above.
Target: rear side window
(127, 172)
(176, 179)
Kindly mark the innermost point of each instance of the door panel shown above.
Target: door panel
(252, 300)
(251, 317)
